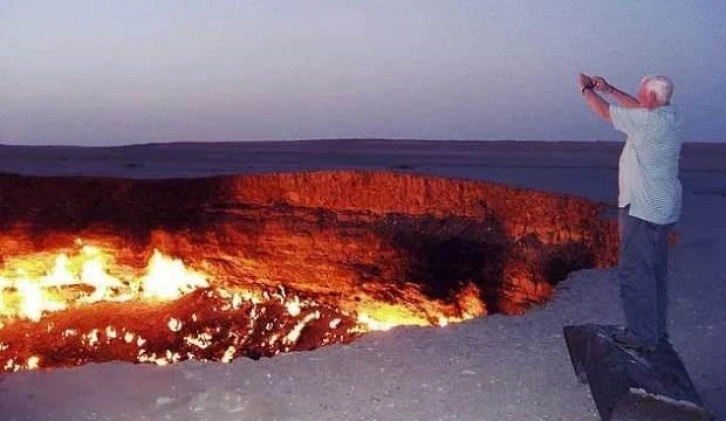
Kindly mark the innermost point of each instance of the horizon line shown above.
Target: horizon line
(351, 139)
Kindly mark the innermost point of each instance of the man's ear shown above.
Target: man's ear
(653, 98)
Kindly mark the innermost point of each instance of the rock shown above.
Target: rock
(612, 371)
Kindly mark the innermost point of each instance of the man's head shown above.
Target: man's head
(655, 91)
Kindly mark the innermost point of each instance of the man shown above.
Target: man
(649, 200)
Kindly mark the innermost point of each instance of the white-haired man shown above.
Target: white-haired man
(649, 200)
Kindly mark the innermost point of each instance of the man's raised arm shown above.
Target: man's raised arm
(598, 105)
(623, 99)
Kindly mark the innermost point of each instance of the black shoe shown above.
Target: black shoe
(664, 343)
(626, 339)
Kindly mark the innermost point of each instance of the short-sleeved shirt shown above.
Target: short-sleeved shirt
(648, 169)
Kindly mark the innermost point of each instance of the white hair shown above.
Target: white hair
(661, 86)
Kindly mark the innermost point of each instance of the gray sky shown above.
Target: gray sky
(109, 72)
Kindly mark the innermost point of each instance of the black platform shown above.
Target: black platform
(613, 371)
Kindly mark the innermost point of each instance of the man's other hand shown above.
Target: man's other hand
(601, 84)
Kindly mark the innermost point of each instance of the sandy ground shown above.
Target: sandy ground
(492, 368)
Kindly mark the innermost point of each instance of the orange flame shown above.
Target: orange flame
(46, 282)
(42, 283)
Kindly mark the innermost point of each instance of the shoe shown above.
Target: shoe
(664, 342)
(626, 339)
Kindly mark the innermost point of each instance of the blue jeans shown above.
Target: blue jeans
(643, 272)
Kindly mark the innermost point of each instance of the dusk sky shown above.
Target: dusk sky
(117, 72)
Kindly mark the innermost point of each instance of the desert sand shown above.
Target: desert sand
(491, 368)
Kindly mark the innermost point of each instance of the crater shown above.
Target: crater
(160, 271)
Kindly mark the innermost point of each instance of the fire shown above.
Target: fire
(421, 311)
(169, 279)
(28, 289)
(36, 286)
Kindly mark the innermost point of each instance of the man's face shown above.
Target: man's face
(642, 95)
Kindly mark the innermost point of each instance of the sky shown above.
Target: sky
(95, 72)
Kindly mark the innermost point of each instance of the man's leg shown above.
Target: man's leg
(638, 287)
(661, 278)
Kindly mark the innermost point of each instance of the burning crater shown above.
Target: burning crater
(94, 270)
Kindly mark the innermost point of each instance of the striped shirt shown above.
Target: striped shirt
(648, 169)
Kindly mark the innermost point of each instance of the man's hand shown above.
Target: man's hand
(598, 105)
(585, 82)
(601, 84)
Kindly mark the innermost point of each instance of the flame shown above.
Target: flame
(37, 284)
(161, 270)
(377, 316)
(40, 283)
